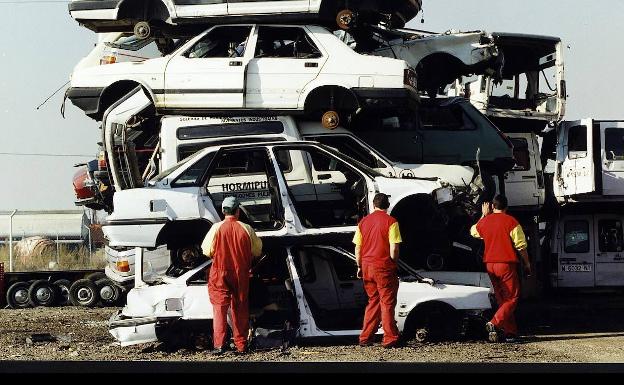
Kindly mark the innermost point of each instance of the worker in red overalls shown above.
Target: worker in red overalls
(377, 240)
(503, 235)
(231, 245)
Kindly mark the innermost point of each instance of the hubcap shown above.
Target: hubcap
(107, 293)
(84, 294)
(43, 294)
(21, 296)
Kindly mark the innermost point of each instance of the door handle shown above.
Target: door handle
(324, 176)
(346, 285)
(311, 65)
(236, 64)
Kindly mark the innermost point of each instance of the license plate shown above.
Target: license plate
(576, 268)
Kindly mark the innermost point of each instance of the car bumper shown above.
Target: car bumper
(132, 331)
(382, 98)
(86, 98)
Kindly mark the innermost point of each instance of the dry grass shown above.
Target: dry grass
(67, 257)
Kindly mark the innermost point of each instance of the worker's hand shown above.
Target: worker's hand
(359, 272)
(486, 208)
(527, 269)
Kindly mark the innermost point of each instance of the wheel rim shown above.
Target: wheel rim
(107, 293)
(345, 19)
(64, 293)
(142, 30)
(435, 262)
(84, 295)
(43, 294)
(21, 296)
(331, 120)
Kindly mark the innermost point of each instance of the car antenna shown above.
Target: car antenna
(54, 93)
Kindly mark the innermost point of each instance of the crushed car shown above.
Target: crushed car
(299, 292)
(145, 18)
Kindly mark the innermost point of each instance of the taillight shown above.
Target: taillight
(122, 266)
(108, 60)
(409, 78)
(102, 165)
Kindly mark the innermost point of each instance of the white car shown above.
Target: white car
(286, 190)
(143, 16)
(253, 68)
(298, 292)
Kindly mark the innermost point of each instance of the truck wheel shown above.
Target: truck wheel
(96, 276)
(346, 19)
(83, 292)
(109, 292)
(142, 30)
(17, 295)
(62, 291)
(330, 120)
(42, 293)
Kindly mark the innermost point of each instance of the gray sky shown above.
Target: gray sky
(41, 44)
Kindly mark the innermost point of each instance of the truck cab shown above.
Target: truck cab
(590, 161)
(587, 248)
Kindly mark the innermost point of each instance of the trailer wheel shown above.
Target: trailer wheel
(42, 293)
(62, 291)
(17, 295)
(95, 276)
(109, 292)
(83, 292)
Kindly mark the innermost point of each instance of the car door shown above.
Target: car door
(612, 157)
(349, 288)
(211, 72)
(575, 158)
(576, 251)
(259, 7)
(522, 187)
(193, 8)
(285, 61)
(609, 247)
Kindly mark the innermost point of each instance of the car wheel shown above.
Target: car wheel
(95, 276)
(346, 19)
(108, 292)
(330, 120)
(142, 30)
(42, 293)
(83, 292)
(62, 291)
(17, 295)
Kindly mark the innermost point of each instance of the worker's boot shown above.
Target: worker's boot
(494, 334)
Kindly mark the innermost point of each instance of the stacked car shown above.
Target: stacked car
(303, 110)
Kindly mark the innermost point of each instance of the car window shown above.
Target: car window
(350, 147)
(449, 117)
(285, 42)
(193, 175)
(614, 143)
(577, 142)
(610, 235)
(521, 154)
(576, 237)
(221, 42)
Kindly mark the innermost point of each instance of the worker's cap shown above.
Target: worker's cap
(230, 203)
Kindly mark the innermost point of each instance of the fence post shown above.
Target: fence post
(11, 240)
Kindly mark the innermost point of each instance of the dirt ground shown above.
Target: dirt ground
(553, 333)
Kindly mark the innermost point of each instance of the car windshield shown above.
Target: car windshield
(129, 42)
(175, 167)
(359, 165)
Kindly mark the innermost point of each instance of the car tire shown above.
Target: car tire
(42, 293)
(84, 293)
(95, 276)
(62, 291)
(108, 292)
(17, 295)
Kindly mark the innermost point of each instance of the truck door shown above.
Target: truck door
(210, 74)
(576, 251)
(612, 157)
(255, 7)
(522, 186)
(609, 250)
(576, 173)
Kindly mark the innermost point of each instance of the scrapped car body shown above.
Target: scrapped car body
(590, 161)
(124, 15)
(245, 68)
(439, 58)
(529, 92)
(311, 290)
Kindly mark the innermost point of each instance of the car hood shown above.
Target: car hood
(398, 189)
(456, 175)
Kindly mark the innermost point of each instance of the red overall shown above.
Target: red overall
(381, 281)
(501, 262)
(228, 282)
